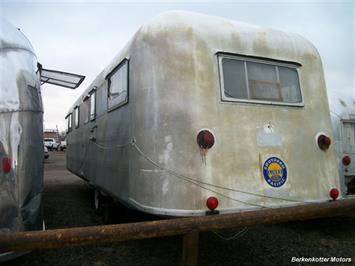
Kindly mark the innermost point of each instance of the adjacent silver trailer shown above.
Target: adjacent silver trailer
(199, 110)
(21, 132)
(342, 108)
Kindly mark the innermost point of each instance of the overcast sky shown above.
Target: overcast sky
(83, 37)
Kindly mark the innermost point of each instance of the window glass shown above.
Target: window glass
(86, 110)
(118, 86)
(289, 85)
(263, 83)
(234, 79)
(260, 81)
(92, 112)
(76, 116)
(69, 123)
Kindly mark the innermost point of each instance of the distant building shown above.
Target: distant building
(51, 133)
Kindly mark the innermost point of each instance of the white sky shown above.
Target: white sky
(83, 37)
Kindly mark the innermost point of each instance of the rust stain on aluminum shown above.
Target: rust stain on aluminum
(260, 168)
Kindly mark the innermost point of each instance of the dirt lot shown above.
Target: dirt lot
(68, 203)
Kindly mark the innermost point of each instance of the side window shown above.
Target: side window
(92, 113)
(86, 109)
(254, 80)
(118, 85)
(76, 117)
(69, 122)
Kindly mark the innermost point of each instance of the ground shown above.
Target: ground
(68, 202)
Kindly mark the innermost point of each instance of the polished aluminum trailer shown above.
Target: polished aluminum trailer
(342, 111)
(21, 133)
(199, 110)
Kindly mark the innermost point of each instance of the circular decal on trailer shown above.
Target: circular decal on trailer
(275, 172)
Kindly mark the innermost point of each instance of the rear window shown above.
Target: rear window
(253, 80)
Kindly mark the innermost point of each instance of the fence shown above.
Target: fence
(188, 227)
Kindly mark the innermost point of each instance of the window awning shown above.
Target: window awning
(60, 78)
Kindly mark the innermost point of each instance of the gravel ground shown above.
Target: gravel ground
(68, 203)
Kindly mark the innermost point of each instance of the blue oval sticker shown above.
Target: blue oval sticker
(275, 172)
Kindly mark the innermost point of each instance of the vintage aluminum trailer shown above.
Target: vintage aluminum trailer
(198, 109)
(342, 111)
(21, 133)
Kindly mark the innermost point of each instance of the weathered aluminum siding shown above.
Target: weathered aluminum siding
(175, 91)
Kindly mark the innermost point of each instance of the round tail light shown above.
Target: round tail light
(6, 165)
(212, 203)
(334, 193)
(346, 160)
(324, 142)
(205, 139)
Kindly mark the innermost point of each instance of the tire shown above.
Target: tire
(108, 216)
(98, 202)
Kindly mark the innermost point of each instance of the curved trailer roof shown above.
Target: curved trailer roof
(218, 33)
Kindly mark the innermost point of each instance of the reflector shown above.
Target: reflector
(205, 139)
(346, 160)
(6, 165)
(334, 193)
(324, 142)
(212, 203)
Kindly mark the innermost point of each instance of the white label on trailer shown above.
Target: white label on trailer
(278, 193)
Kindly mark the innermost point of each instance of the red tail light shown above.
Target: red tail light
(6, 165)
(205, 139)
(334, 193)
(212, 203)
(346, 160)
(324, 142)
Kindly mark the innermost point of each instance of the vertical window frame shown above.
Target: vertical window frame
(92, 95)
(86, 109)
(244, 58)
(69, 123)
(76, 116)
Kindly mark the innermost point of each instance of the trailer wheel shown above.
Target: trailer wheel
(108, 212)
(98, 202)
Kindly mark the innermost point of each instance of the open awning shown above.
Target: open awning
(60, 78)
